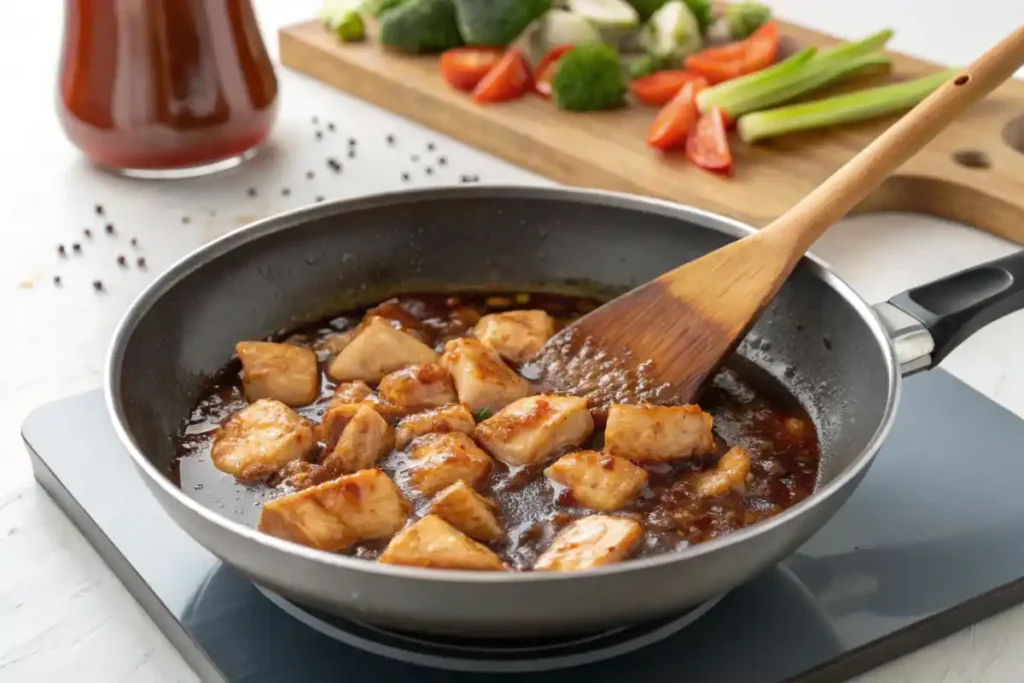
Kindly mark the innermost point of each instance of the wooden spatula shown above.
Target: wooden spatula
(689, 320)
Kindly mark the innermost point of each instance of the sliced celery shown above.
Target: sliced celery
(768, 87)
(857, 106)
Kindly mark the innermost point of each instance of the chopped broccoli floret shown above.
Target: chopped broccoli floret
(703, 12)
(589, 78)
(497, 22)
(644, 65)
(420, 26)
(375, 8)
(743, 18)
(645, 8)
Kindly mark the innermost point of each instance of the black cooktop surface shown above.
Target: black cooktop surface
(933, 540)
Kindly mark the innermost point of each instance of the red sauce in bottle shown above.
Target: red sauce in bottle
(164, 85)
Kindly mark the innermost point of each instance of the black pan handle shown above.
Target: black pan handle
(955, 307)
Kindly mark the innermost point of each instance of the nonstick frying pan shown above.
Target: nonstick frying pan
(842, 358)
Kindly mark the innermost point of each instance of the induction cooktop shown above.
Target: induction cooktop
(927, 545)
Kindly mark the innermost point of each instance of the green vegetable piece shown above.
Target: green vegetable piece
(349, 27)
(376, 8)
(672, 33)
(484, 413)
(589, 78)
(645, 8)
(800, 74)
(420, 26)
(497, 22)
(832, 111)
(645, 65)
(743, 18)
(703, 12)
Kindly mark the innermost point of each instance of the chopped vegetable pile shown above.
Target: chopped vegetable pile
(708, 71)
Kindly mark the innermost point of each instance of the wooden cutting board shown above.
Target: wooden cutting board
(973, 173)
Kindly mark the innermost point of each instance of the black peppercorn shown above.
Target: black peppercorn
(61, 250)
(109, 228)
(310, 175)
(87, 232)
(99, 209)
(140, 262)
(76, 247)
(405, 177)
(134, 242)
(56, 280)
(97, 285)
(122, 261)
(351, 154)
(333, 164)
(319, 198)
(351, 142)
(319, 135)
(285, 191)
(430, 146)
(251, 192)
(330, 127)
(429, 171)
(391, 139)
(442, 161)
(315, 120)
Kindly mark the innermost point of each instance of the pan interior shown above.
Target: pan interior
(305, 265)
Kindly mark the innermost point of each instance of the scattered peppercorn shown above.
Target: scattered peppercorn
(76, 247)
(390, 139)
(464, 179)
(97, 285)
(333, 164)
(109, 227)
(430, 146)
(87, 232)
(56, 280)
(134, 242)
(186, 220)
(140, 262)
(429, 171)
(319, 198)
(121, 260)
(99, 209)
(310, 174)
(251, 192)
(61, 250)
(316, 120)
(351, 154)
(442, 161)
(285, 191)
(319, 135)
(330, 127)
(351, 142)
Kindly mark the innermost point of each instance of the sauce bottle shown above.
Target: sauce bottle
(165, 88)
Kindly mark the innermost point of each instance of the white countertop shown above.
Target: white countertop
(63, 615)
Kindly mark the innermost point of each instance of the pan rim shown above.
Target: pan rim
(203, 255)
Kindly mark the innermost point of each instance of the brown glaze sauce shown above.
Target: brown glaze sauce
(749, 408)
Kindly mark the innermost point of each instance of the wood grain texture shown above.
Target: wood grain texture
(606, 150)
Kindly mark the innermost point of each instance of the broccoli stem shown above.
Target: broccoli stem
(793, 77)
(857, 106)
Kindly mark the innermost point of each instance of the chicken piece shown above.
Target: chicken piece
(338, 513)
(598, 481)
(351, 392)
(453, 418)
(418, 387)
(433, 542)
(280, 371)
(468, 511)
(440, 460)
(729, 474)
(481, 379)
(366, 438)
(260, 439)
(590, 542)
(647, 433)
(377, 349)
(340, 412)
(533, 429)
(517, 336)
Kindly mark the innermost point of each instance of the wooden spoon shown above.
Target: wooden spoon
(689, 320)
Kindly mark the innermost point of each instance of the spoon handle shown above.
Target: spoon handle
(801, 225)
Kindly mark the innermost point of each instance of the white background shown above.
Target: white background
(63, 616)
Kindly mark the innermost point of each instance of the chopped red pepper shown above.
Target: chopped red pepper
(546, 69)
(464, 67)
(676, 119)
(730, 61)
(659, 88)
(508, 79)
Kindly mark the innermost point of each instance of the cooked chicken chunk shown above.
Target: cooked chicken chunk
(517, 336)
(590, 542)
(260, 439)
(598, 481)
(377, 349)
(280, 371)
(366, 438)
(468, 511)
(418, 387)
(338, 513)
(481, 379)
(440, 460)
(533, 429)
(649, 433)
(432, 542)
(453, 418)
(340, 412)
(730, 473)
(351, 392)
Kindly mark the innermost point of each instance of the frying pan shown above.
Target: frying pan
(842, 358)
